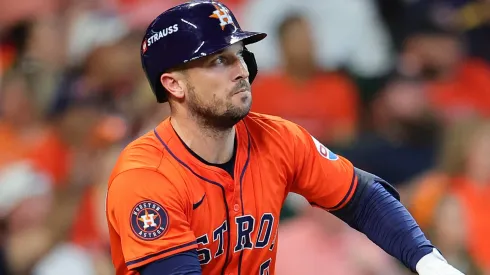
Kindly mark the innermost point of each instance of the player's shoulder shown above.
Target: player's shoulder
(144, 167)
(259, 123)
(145, 151)
(143, 155)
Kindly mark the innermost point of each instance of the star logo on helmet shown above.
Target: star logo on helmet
(223, 16)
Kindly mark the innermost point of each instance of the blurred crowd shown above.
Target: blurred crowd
(400, 87)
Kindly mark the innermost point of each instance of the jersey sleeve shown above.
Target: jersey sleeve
(149, 213)
(325, 179)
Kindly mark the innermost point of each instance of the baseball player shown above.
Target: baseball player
(202, 192)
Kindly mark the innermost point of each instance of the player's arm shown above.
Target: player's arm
(184, 263)
(3, 261)
(365, 202)
(149, 213)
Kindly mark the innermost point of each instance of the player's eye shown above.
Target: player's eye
(220, 60)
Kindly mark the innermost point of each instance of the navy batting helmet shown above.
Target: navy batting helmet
(190, 31)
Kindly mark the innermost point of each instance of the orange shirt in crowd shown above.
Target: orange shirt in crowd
(46, 151)
(427, 193)
(474, 199)
(476, 205)
(466, 93)
(326, 105)
(11, 147)
(87, 230)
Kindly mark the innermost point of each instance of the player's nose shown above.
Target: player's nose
(240, 70)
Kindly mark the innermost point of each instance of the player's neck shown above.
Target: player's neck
(212, 145)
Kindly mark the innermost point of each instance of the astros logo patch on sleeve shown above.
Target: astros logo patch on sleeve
(324, 151)
(149, 220)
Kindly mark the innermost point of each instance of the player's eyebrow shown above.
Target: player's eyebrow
(224, 50)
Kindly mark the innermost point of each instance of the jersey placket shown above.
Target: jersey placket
(234, 210)
(234, 197)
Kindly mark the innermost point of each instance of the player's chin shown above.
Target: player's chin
(244, 97)
(243, 102)
(241, 106)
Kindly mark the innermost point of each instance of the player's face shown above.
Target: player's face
(218, 91)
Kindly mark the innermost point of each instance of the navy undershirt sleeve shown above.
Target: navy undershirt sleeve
(3, 261)
(385, 221)
(184, 263)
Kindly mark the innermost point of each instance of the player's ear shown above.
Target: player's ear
(174, 83)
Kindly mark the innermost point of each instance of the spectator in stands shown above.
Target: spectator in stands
(463, 176)
(449, 233)
(405, 132)
(26, 181)
(472, 190)
(86, 249)
(430, 188)
(325, 103)
(457, 86)
(351, 34)
(469, 18)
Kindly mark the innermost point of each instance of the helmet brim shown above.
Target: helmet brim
(210, 48)
(250, 37)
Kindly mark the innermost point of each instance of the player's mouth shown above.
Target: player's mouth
(242, 90)
(241, 87)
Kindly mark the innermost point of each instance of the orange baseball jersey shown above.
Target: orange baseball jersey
(162, 200)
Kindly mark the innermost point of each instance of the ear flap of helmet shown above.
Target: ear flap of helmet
(156, 86)
(160, 93)
(249, 59)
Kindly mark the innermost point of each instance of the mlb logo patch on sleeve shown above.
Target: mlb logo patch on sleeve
(324, 151)
(149, 220)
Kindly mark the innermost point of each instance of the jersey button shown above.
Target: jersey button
(236, 207)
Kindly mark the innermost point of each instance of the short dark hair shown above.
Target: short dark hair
(287, 22)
